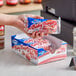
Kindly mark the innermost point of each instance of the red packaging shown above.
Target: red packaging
(1, 2)
(25, 1)
(1, 30)
(2, 36)
(38, 1)
(11, 2)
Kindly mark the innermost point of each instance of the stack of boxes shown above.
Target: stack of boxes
(40, 50)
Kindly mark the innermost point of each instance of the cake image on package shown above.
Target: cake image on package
(40, 50)
(51, 26)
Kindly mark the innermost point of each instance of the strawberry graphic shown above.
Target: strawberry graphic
(23, 53)
(28, 56)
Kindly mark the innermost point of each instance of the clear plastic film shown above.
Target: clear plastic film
(48, 43)
(52, 26)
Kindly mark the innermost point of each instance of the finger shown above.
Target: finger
(41, 34)
(37, 34)
(25, 31)
(29, 34)
(46, 34)
(33, 35)
(22, 17)
(20, 25)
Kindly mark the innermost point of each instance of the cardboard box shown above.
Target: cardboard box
(52, 50)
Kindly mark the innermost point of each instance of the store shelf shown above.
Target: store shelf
(20, 8)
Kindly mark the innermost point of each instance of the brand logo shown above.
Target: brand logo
(41, 52)
(35, 21)
(1, 27)
(15, 42)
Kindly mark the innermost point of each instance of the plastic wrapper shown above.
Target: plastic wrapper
(51, 26)
(41, 50)
(11, 2)
(1, 3)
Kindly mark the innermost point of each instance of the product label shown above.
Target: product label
(1, 2)
(12, 1)
(43, 25)
(1, 27)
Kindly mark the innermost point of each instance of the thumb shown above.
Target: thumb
(20, 25)
(22, 18)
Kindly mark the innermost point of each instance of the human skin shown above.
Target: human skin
(18, 21)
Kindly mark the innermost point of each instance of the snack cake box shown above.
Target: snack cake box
(39, 51)
(52, 26)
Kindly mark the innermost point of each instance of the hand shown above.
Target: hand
(19, 22)
(35, 34)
